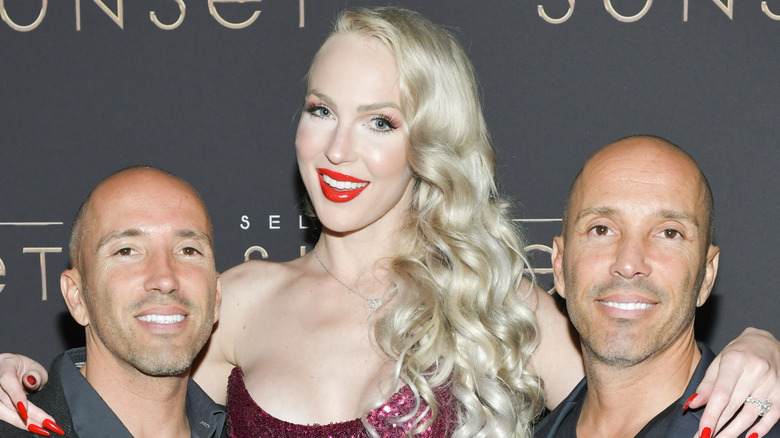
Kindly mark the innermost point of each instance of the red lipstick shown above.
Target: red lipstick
(354, 186)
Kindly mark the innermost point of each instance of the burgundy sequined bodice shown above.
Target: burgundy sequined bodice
(246, 419)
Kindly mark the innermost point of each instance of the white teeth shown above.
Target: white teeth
(161, 319)
(342, 185)
(628, 306)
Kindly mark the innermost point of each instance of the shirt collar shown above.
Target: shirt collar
(92, 416)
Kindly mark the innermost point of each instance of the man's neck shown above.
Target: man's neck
(148, 406)
(620, 401)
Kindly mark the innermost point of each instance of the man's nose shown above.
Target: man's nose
(161, 273)
(631, 258)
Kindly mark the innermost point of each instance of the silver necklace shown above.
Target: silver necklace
(375, 303)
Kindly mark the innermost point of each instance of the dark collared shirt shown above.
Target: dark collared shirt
(671, 423)
(93, 418)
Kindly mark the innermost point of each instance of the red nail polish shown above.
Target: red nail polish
(52, 426)
(706, 432)
(688, 402)
(753, 435)
(22, 411)
(32, 380)
(38, 429)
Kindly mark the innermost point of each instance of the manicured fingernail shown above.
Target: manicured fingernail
(32, 380)
(38, 429)
(22, 411)
(753, 435)
(688, 402)
(706, 432)
(52, 426)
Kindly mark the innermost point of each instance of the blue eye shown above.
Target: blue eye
(382, 124)
(319, 111)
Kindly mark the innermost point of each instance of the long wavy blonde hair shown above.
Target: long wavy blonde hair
(458, 320)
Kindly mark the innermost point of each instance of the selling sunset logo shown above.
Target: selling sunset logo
(538, 252)
(117, 14)
(727, 8)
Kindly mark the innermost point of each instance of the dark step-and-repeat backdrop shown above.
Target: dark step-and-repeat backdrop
(211, 90)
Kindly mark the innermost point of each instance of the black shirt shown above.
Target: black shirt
(82, 413)
(672, 422)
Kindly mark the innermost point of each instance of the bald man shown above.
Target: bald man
(144, 285)
(634, 260)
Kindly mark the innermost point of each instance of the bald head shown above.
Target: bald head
(143, 283)
(645, 159)
(635, 258)
(136, 181)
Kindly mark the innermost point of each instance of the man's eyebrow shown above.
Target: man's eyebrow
(132, 232)
(135, 232)
(679, 216)
(196, 235)
(666, 214)
(597, 211)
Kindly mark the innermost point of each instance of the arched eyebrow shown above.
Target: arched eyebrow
(361, 108)
(377, 106)
(323, 97)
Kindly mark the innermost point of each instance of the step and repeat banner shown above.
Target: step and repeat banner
(211, 91)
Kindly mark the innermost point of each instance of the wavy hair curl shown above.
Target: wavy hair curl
(458, 320)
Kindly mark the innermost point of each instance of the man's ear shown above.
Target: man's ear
(711, 271)
(218, 299)
(71, 286)
(557, 265)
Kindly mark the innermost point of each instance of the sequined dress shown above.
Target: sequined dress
(246, 419)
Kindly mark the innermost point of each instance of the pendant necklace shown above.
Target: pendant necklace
(374, 303)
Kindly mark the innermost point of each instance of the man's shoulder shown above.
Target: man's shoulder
(206, 417)
(51, 398)
(550, 426)
(51, 395)
(8, 431)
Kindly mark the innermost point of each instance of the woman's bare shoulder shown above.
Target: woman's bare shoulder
(257, 277)
(250, 289)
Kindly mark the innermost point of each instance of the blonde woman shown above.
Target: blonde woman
(397, 162)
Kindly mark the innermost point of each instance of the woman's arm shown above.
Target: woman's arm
(557, 360)
(212, 368)
(748, 366)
